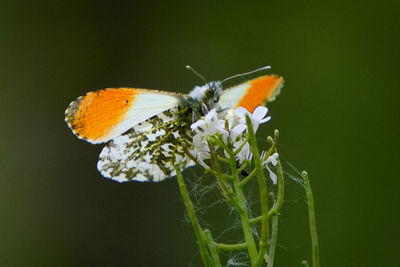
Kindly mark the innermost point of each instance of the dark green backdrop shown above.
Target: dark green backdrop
(338, 116)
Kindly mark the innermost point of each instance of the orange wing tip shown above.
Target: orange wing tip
(279, 84)
(261, 90)
(70, 114)
(93, 117)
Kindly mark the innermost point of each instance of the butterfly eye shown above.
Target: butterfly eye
(209, 93)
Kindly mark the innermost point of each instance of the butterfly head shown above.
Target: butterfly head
(204, 98)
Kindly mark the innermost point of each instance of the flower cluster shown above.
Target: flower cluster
(231, 128)
(225, 145)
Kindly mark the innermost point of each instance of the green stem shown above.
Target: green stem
(230, 247)
(264, 240)
(275, 219)
(247, 179)
(274, 235)
(312, 220)
(221, 179)
(213, 248)
(201, 239)
(224, 160)
(274, 143)
(242, 209)
(255, 220)
(209, 170)
(272, 212)
(281, 186)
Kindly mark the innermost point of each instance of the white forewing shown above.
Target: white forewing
(252, 93)
(145, 105)
(230, 97)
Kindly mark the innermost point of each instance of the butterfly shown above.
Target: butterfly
(146, 131)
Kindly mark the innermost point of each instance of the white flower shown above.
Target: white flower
(244, 153)
(232, 128)
(206, 126)
(271, 159)
(231, 135)
(232, 118)
(236, 131)
(257, 118)
(200, 149)
(209, 125)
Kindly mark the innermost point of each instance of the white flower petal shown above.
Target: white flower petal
(257, 117)
(236, 131)
(272, 175)
(241, 113)
(225, 138)
(243, 154)
(197, 124)
(210, 115)
(211, 130)
(259, 113)
(263, 156)
(197, 141)
(232, 118)
(265, 120)
(273, 160)
(255, 125)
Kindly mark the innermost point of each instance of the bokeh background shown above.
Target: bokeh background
(338, 115)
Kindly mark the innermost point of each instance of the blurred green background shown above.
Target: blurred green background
(338, 117)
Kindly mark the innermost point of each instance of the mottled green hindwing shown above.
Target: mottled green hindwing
(149, 150)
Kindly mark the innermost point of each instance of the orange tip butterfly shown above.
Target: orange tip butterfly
(147, 130)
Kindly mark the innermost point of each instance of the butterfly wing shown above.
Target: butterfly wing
(149, 150)
(252, 93)
(105, 114)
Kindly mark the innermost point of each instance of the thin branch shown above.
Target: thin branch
(264, 240)
(312, 220)
(212, 247)
(230, 247)
(242, 209)
(201, 239)
(248, 178)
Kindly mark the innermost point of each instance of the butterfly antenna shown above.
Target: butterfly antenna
(195, 72)
(246, 73)
(198, 74)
